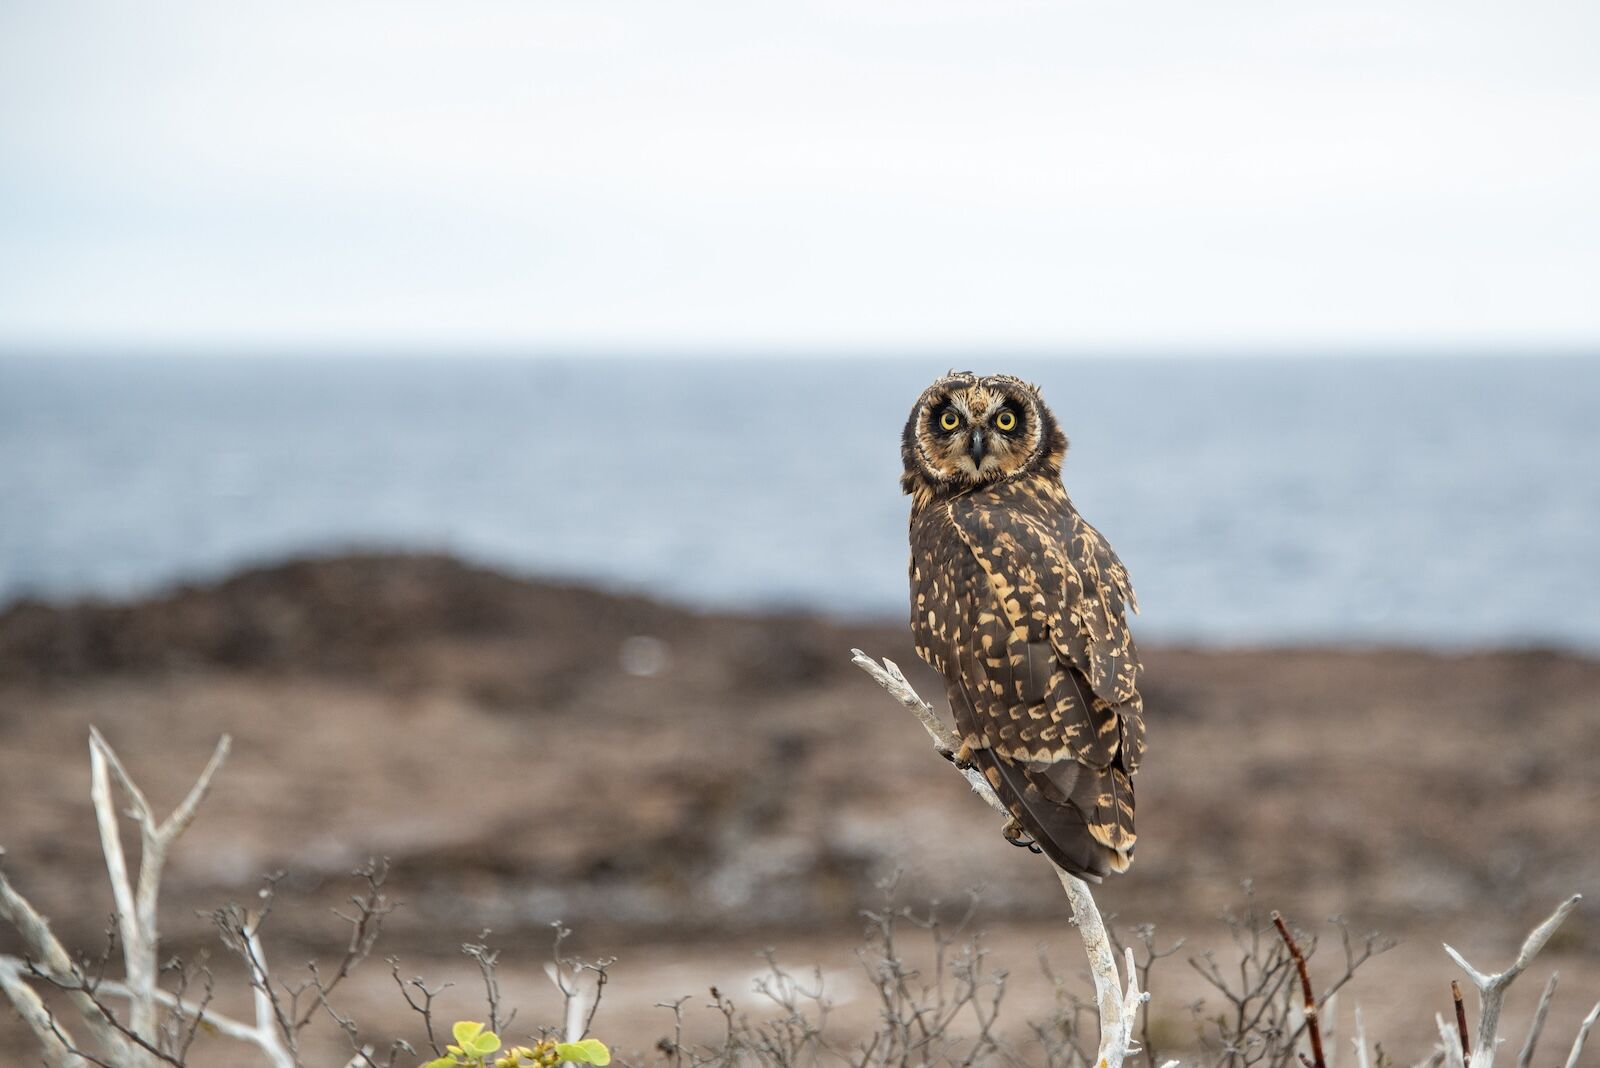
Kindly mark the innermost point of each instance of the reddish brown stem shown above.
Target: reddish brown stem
(1313, 1028)
(1461, 1021)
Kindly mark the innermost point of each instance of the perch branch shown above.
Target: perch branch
(1492, 988)
(1115, 1030)
(1118, 1008)
(889, 676)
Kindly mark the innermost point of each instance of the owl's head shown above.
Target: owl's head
(967, 431)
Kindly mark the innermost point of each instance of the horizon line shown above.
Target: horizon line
(12, 351)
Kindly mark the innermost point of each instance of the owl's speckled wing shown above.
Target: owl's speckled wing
(1021, 605)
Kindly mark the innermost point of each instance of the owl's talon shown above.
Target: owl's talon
(1014, 834)
(962, 757)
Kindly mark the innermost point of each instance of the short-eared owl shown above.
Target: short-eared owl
(1019, 604)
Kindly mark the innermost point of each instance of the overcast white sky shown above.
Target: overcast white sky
(810, 173)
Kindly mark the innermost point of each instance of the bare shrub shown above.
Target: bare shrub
(944, 1011)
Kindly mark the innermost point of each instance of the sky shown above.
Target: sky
(811, 174)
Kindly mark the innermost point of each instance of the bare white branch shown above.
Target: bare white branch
(271, 1025)
(1122, 1040)
(579, 990)
(889, 676)
(1449, 1042)
(138, 956)
(1359, 1040)
(1525, 1058)
(178, 822)
(53, 1039)
(1492, 988)
(137, 923)
(1583, 1036)
(1328, 1017)
(1108, 993)
(1118, 1008)
(52, 958)
(141, 806)
(137, 912)
(224, 1025)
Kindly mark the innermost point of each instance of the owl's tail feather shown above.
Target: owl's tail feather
(1082, 817)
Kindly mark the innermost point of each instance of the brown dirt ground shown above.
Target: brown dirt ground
(482, 733)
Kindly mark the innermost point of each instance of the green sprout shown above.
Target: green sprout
(474, 1045)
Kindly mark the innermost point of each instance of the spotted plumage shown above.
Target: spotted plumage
(1021, 605)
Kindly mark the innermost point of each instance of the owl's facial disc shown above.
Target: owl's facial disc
(966, 431)
(979, 434)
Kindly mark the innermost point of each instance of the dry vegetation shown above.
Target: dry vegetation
(742, 786)
(947, 1012)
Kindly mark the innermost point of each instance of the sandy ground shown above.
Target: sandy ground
(728, 783)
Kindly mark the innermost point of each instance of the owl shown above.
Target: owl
(1021, 605)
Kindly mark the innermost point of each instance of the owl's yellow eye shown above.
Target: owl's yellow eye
(1006, 420)
(949, 420)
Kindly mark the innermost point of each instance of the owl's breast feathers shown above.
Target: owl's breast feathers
(1021, 605)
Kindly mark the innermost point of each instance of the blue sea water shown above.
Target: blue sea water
(1434, 501)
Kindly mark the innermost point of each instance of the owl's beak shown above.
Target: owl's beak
(975, 447)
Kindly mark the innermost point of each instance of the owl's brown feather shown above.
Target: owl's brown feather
(1021, 605)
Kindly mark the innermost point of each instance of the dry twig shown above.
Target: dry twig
(1461, 1019)
(1492, 988)
(1313, 1027)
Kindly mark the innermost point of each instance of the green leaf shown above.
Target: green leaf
(442, 1062)
(588, 1051)
(465, 1031)
(485, 1044)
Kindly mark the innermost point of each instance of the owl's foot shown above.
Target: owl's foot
(1014, 834)
(961, 758)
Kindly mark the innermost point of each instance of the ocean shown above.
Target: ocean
(1428, 501)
